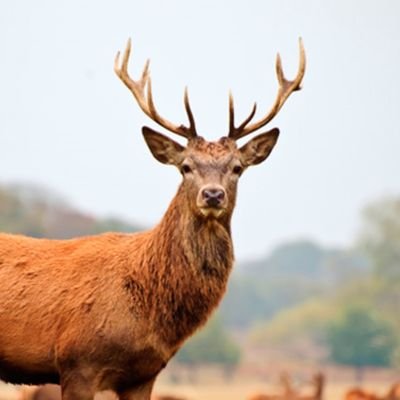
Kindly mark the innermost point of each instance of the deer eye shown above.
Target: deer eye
(237, 169)
(185, 169)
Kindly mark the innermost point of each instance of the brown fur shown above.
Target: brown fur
(107, 312)
(45, 392)
(53, 392)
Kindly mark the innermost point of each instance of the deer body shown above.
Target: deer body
(107, 312)
(131, 299)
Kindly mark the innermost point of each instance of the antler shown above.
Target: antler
(286, 88)
(142, 92)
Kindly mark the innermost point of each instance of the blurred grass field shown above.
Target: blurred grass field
(212, 385)
(242, 391)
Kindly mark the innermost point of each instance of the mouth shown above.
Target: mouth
(212, 212)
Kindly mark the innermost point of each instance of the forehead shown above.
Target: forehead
(222, 150)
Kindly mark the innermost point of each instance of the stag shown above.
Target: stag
(108, 312)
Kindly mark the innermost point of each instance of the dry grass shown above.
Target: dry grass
(211, 386)
(241, 391)
(227, 391)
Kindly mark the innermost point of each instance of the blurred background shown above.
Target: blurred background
(316, 286)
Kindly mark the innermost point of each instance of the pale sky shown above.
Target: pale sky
(68, 123)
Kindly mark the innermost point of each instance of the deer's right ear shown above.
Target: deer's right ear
(162, 147)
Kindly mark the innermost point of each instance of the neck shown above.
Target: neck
(193, 259)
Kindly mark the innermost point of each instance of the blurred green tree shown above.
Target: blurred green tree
(359, 338)
(380, 238)
(212, 345)
(380, 241)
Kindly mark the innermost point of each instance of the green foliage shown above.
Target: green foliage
(293, 273)
(212, 345)
(359, 338)
(249, 299)
(381, 237)
(309, 318)
(361, 288)
(380, 240)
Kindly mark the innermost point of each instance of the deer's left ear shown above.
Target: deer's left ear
(162, 147)
(258, 149)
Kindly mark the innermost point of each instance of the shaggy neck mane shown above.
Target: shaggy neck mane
(189, 268)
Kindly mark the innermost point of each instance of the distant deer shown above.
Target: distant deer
(108, 312)
(166, 397)
(291, 393)
(361, 394)
(318, 383)
(287, 391)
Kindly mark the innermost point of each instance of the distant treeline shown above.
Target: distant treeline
(34, 211)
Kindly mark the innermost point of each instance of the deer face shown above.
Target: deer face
(210, 170)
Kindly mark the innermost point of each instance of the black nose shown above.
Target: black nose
(213, 197)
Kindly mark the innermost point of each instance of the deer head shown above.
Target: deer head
(210, 170)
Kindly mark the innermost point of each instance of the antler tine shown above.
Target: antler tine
(232, 127)
(231, 113)
(137, 88)
(189, 111)
(291, 86)
(182, 130)
(286, 88)
(145, 98)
